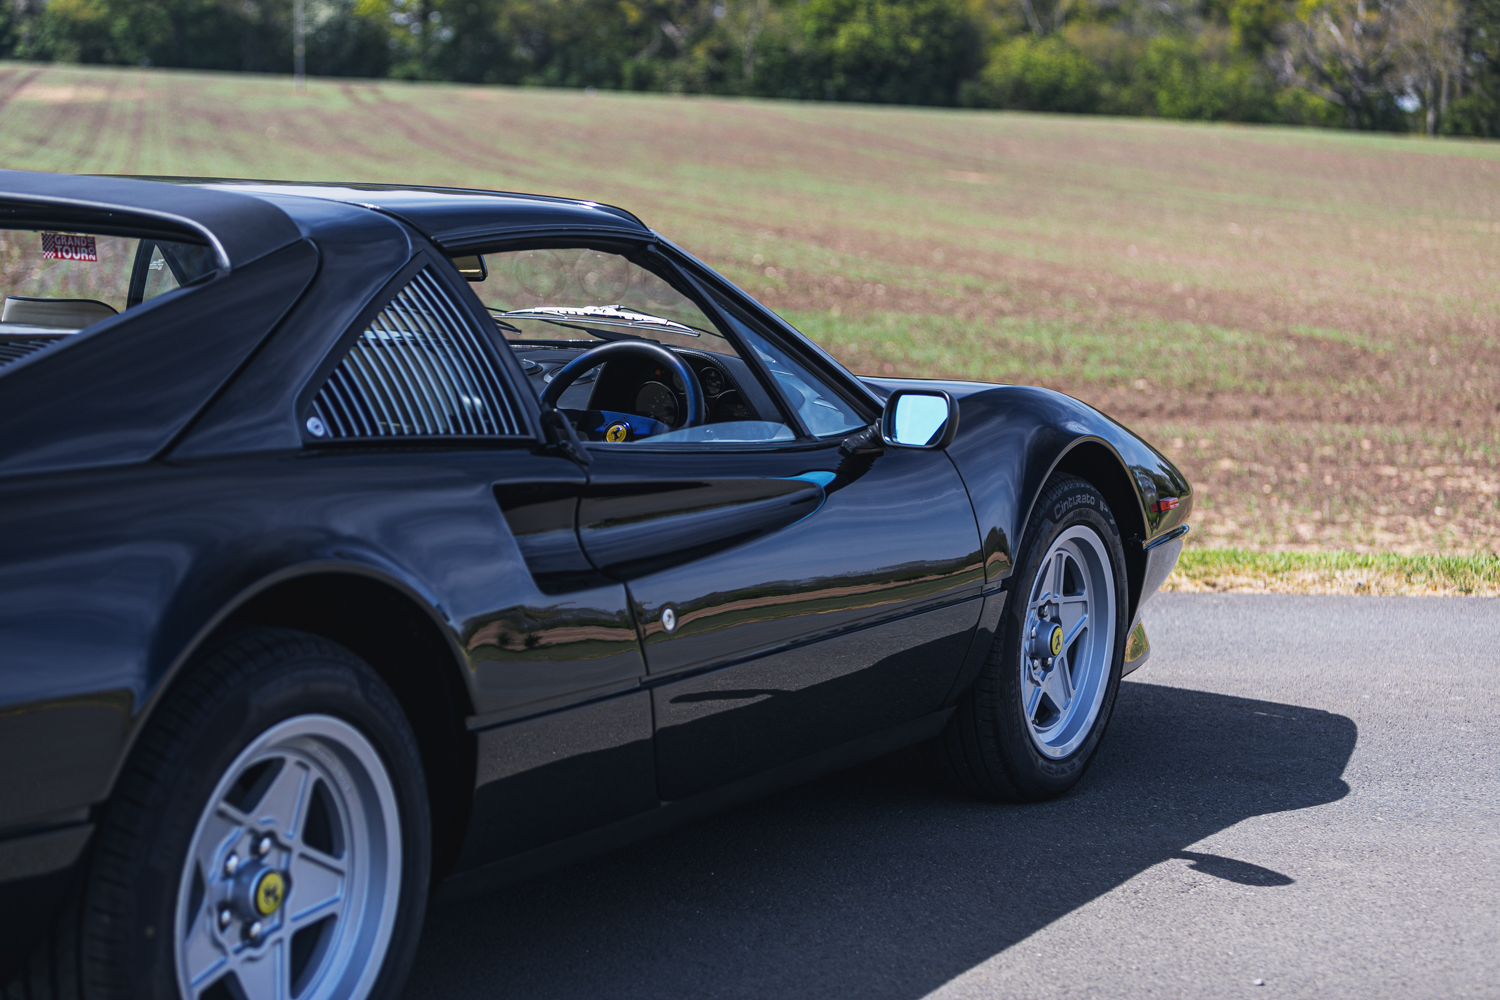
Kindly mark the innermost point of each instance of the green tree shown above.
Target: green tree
(1036, 74)
(912, 52)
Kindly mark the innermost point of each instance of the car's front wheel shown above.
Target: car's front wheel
(1032, 722)
(268, 840)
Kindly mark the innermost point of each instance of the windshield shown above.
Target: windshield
(575, 294)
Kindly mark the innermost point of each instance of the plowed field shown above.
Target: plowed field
(1309, 322)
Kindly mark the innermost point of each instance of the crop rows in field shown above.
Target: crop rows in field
(1284, 295)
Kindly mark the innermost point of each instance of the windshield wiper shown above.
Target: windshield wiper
(584, 317)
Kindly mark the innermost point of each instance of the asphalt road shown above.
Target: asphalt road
(1298, 796)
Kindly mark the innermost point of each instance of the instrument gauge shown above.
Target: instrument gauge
(656, 401)
(732, 406)
(713, 382)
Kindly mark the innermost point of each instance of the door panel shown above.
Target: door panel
(724, 725)
(851, 619)
(895, 539)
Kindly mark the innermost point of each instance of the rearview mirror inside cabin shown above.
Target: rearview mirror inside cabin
(919, 418)
(471, 267)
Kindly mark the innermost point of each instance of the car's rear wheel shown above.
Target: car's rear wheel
(269, 838)
(1033, 720)
(293, 874)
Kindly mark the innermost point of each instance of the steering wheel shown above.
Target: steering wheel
(697, 408)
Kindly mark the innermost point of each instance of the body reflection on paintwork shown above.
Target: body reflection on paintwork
(528, 653)
(727, 724)
(863, 557)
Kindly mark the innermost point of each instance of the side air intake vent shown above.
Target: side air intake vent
(16, 348)
(419, 370)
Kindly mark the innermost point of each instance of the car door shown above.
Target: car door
(423, 394)
(774, 630)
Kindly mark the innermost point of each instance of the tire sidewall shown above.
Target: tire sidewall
(1064, 504)
(130, 913)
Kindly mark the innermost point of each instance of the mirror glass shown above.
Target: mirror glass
(919, 419)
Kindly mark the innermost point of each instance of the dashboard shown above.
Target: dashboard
(642, 387)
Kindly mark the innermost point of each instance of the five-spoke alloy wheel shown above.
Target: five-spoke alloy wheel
(269, 839)
(1029, 726)
(1069, 631)
(293, 873)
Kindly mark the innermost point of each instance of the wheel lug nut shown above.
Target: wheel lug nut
(255, 930)
(264, 847)
(231, 865)
(225, 918)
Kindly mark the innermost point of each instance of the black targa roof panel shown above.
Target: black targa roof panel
(239, 228)
(453, 218)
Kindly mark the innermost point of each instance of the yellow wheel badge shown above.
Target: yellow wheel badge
(1056, 640)
(617, 432)
(270, 892)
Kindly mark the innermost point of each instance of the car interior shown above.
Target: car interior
(558, 307)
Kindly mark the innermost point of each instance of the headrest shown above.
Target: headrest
(72, 314)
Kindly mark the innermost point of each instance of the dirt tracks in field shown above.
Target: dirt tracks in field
(1314, 316)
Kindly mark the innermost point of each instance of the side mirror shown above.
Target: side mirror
(919, 418)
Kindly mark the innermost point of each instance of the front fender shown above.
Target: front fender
(1012, 438)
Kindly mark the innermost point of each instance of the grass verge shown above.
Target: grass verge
(1239, 572)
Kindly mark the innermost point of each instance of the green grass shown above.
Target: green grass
(1196, 356)
(1235, 570)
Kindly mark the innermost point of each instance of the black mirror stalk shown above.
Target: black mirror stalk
(863, 442)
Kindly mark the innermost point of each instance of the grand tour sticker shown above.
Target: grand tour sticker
(61, 246)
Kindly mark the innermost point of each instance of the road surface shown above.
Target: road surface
(1298, 796)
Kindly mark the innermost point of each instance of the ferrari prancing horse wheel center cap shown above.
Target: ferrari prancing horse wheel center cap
(1046, 640)
(269, 892)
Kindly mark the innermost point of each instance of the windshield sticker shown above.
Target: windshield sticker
(61, 246)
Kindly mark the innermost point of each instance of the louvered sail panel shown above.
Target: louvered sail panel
(419, 370)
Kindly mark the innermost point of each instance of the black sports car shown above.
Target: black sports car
(365, 542)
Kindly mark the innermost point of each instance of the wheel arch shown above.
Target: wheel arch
(1097, 464)
(402, 638)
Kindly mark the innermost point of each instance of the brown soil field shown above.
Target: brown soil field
(1308, 321)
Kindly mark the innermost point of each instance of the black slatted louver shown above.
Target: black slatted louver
(419, 370)
(16, 348)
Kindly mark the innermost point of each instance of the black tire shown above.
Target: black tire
(115, 941)
(987, 748)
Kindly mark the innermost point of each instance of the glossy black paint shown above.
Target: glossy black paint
(238, 230)
(827, 605)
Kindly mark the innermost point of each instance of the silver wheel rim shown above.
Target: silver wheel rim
(308, 803)
(1075, 590)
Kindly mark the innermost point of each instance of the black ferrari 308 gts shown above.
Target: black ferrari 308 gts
(367, 544)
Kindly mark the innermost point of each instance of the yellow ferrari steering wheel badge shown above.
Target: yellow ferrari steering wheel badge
(1056, 639)
(270, 892)
(617, 432)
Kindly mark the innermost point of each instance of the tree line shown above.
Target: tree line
(1428, 65)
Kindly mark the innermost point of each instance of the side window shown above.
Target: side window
(419, 370)
(823, 411)
(159, 278)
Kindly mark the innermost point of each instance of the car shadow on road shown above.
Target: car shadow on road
(877, 882)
